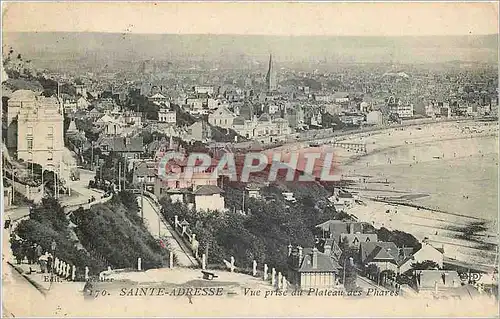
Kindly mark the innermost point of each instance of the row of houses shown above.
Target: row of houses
(321, 267)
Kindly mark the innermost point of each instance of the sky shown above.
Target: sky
(262, 18)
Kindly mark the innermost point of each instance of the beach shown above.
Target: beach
(434, 180)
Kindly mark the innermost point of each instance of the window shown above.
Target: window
(30, 143)
(29, 132)
(50, 132)
(50, 157)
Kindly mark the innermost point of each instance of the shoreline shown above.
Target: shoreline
(422, 220)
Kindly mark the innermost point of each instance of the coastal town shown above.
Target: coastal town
(88, 212)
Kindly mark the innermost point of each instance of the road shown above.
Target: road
(15, 285)
(160, 228)
(79, 186)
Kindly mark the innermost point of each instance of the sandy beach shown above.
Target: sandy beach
(433, 180)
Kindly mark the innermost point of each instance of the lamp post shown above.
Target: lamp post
(53, 247)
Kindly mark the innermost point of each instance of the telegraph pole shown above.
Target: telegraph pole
(142, 202)
(119, 176)
(92, 156)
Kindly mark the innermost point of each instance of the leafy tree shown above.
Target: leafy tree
(372, 271)
(424, 265)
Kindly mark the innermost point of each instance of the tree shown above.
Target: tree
(387, 274)
(372, 271)
(425, 265)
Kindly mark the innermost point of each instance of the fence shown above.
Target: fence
(276, 279)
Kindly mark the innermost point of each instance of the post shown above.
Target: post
(119, 176)
(69, 179)
(254, 268)
(73, 273)
(171, 259)
(265, 272)
(55, 185)
(86, 273)
(159, 226)
(243, 201)
(232, 264)
(142, 202)
(43, 188)
(273, 277)
(280, 280)
(92, 156)
(203, 261)
(139, 264)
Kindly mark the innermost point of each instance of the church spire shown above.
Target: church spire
(271, 75)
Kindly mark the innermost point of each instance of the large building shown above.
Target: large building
(271, 76)
(36, 128)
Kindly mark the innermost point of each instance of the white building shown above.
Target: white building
(222, 117)
(208, 197)
(204, 90)
(38, 129)
(374, 118)
(167, 116)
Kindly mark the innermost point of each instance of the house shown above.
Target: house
(208, 197)
(35, 128)
(335, 228)
(435, 281)
(110, 125)
(354, 240)
(374, 118)
(70, 105)
(145, 173)
(94, 114)
(385, 255)
(133, 118)
(309, 268)
(341, 97)
(82, 103)
(289, 197)
(166, 186)
(253, 191)
(332, 249)
(204, 90)
(158, 99)
(127, 147)
(222, 117)
(167, 116)
(426, 252)
(199, 131)
(342, 200)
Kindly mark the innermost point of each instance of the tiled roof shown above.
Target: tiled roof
(325, 262)
(207, 190)
(124, 144)
(426, 279)
(362, 238)
(379, 251)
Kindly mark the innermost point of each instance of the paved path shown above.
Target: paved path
(158, 227)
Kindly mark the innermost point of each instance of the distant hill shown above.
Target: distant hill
(114, 46)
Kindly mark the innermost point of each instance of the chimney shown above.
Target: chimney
(300, 254)
(314, 258)
(351, 228)
(328, 249)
